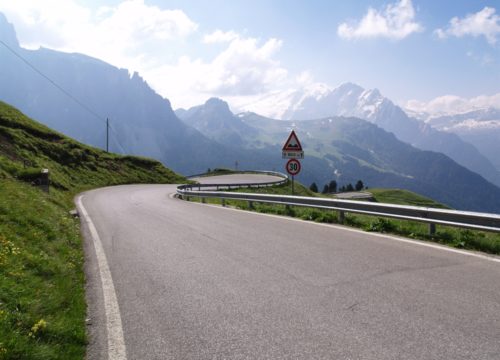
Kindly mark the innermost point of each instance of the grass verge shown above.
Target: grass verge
(451, 236)
(42, 303)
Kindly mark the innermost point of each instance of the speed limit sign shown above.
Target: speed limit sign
(293, 166)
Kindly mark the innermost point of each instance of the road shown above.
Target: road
(237, 179)
(196, 281)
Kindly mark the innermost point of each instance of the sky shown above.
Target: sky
(426, 55)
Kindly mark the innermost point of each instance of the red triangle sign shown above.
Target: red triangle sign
(293, 143)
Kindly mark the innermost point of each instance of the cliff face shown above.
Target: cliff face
(142, 122)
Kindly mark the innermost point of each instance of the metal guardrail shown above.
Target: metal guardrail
(284, 180)
(432, 216)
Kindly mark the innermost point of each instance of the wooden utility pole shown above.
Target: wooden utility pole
(107, 135)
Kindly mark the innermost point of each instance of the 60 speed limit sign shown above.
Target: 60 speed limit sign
(293, 166)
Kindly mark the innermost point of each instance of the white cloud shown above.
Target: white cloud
(219, 36)
(483, 23)
(305, 78)
(245, 68)
(115, 34)
(451, 104)
(38, 24)
(141, 37)
(484, 59)
(396, 21)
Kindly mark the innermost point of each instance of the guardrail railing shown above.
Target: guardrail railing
(284, 180)
(431, 216)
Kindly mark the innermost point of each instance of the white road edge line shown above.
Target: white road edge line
(383, 236)
(116, 341)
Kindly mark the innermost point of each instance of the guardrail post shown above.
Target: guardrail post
(432, 229)
(341, 217)
(482, 221)
(223, 201)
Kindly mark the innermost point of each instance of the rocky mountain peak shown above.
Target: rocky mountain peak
(349, 87)
(217, 105)
(7, 32)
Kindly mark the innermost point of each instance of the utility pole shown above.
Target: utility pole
(107, 135)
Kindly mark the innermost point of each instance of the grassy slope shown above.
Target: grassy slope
(42, 305)
(404, 197)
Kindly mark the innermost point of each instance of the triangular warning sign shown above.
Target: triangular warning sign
(293, 143)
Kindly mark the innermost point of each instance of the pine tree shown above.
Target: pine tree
(349, 187)
(325, 189)
(332, 187)
(359, 185)
(313, 187)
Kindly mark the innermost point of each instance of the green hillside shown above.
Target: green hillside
(404, 197)
(352, 149)
(42, 304)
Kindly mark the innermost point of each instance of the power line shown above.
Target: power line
(65, 92)
(116, 139)
(53, 82)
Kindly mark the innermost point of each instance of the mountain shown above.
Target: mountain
(480, 127)
(27, 146)
(142, 122)
(215, 120)
(318, 101)
(348, 149)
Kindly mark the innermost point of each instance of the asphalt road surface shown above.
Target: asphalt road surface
(237, 179)
(195, 281)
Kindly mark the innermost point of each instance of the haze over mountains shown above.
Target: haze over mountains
(143, 122)
(318, 101)
(210, 135)
(480, 127)
(349, 149)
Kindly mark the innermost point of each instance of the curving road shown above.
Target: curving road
(237, 179)
(195, 281)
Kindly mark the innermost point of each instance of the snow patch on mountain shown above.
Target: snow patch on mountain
(448, 105)
(318, 101)
(488, 118)
(472, 124)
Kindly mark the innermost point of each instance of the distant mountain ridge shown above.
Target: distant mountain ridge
(480, 127)
(319, 101)
(215, 120)
(348, 149)
(211, 136)
(142, 121)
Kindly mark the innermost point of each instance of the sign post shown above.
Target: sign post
(293, 168)
(292, 150)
